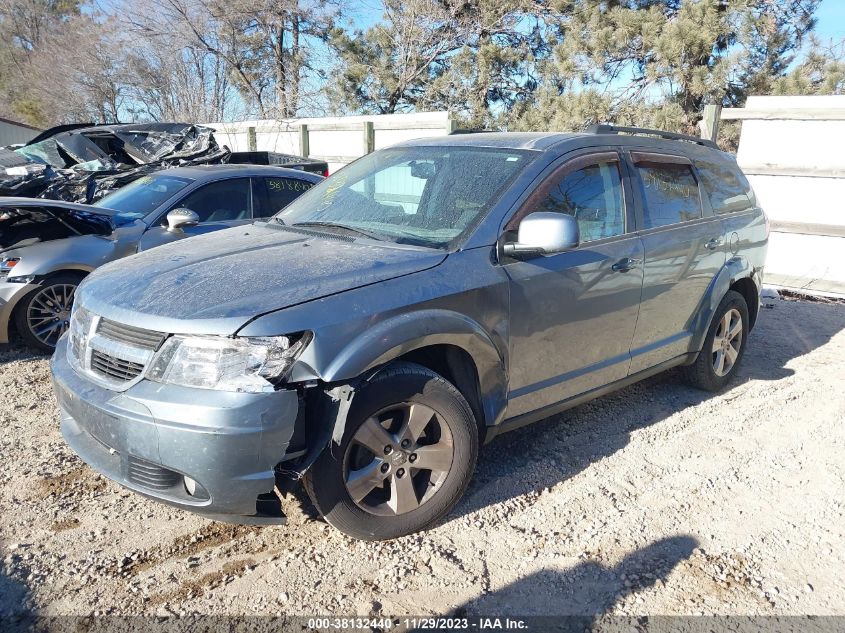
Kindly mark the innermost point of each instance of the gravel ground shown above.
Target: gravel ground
(658, 499)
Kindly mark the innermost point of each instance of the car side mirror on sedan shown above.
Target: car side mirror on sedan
(544, 233)
(177, 219)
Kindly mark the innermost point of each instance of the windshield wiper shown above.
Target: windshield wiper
(336, 225)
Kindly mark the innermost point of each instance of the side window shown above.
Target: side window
(281, 192)
(726, 191)
(220, 201)
(670, 194)
(593, 195)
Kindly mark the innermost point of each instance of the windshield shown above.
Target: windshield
(429, 196)
(140, 197)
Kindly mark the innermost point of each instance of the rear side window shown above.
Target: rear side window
(727, 190)
(281, 192)
(593, 195)
(670, 194)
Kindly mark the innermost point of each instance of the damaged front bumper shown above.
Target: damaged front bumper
(209, 452)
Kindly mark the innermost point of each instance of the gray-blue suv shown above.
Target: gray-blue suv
(369, 337)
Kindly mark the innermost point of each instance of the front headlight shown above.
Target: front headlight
(7, 264)
(81, 323)
(227, 364)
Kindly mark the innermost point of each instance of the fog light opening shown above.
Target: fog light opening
(190, 486)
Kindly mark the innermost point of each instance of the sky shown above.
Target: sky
(830, 14)
(831, 19)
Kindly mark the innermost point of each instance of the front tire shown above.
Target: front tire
(43, 315)
(408, 452)
(724, 345)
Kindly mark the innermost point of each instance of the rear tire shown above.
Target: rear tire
(406, 415)
(724, 345)
(43, 315)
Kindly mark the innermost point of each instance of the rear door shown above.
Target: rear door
(733, 201)
(572, 315)
(271, 194)
(684, 250)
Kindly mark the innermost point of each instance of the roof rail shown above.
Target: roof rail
(642, 131)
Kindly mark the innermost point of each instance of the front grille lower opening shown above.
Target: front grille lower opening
(113, 367)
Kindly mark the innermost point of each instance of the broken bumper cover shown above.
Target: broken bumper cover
(158, 440)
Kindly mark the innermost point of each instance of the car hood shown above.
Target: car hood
(25, 224)
(215, 283)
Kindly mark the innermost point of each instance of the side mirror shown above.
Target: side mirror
(544, 233)
(180, 218)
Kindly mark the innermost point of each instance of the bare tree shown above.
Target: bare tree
(266, 45)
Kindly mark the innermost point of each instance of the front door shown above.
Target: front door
(573, 314)
(219, 205)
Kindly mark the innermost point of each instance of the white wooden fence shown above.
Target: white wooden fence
(791, 149)
(336, 140)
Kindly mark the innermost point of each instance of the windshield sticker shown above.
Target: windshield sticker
(331, 190)
(666, 183)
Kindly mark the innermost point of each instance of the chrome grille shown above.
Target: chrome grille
(113, 367)
(151, 475)
(113, 354)
(134, 336)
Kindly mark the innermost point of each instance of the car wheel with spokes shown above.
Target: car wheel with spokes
(43, 315)
(724, 345)
(407, 454)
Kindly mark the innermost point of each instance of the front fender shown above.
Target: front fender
(404, 333)
(735, 268)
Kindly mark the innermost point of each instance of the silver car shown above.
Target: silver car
(47, 247)
(422, 300)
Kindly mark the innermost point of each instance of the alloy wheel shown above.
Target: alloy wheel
(727, 342)
(398, 459)
(48, 314)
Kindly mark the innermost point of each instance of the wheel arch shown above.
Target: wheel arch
(737, 274)
(446, 342)
(748, 289)
(14, 308)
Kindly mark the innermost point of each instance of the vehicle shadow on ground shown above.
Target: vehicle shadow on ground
(10, 352)
(587, 590)
(544, 454)
(14, 595)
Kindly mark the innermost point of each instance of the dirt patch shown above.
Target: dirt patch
(65, 524)
(80, 480)
(195, 587)
(209, 536)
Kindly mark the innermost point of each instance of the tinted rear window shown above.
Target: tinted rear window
(670, 194)
(726, 188)
(282, 191)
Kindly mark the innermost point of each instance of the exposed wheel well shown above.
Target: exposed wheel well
(748, 289)
(455, 365)
(80, 274)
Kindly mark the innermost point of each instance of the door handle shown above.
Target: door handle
(713, 243)
(626, 264)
